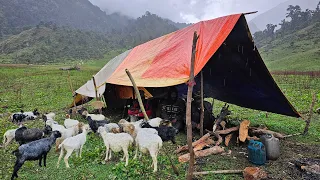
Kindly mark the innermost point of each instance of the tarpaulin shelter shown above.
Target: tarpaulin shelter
(233, 69)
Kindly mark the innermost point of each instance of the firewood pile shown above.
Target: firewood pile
(219, 136)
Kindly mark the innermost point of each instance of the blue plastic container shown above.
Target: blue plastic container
(256, 152)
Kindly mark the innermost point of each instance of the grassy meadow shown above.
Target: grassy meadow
(47, 88)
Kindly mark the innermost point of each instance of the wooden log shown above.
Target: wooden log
(227, 131)
(264, 131)
(188, 108)
(202, 153)
(219, 139)
(219, 172)
(243, 130)
(306, 129)
(253, 138)
(203, 144)
(184, 148)
(137, 95)
(227, 139)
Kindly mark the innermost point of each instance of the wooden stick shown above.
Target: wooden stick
(202, 108)
(188, 110)
(219, 172)
(306, 129)
(95, 87)
(137, 95)
(226, 131)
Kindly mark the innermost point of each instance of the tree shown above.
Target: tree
(269, 32)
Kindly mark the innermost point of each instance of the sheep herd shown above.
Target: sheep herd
(146, 136)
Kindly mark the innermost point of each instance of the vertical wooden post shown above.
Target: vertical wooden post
(137, 95)
(96, 91)
(306, 129)
(202, 107)
(188, 110)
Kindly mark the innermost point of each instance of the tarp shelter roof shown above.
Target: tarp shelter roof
(165, 61)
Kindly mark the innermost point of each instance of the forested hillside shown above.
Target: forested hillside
(45, 31)
(295, 46)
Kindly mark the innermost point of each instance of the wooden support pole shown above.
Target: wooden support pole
(95, 87)
(306, 129)
(188, 110)
(137, 95)
(219, 172)
(71, 88)
(202, 107)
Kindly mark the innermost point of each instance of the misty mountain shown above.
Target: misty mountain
(78, 14)
(276, 14)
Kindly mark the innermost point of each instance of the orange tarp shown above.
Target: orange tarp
(165, 61)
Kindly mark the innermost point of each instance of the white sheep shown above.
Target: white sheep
(133, 128)
(8, 136)
(110, 126)
(72, 143)
(96, 117)
(50, 115)
(148, 142)
(116, 142)
(155, 122)
(68, 123)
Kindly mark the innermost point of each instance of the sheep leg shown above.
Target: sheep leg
(17, 166)
(125, 155)
(154, 163)
(110, 151)
(77, 153)
(136, 154)
(69, 152)
(107, 153)
(61, 154)
(40, 159)
(81, 150)
(45, 160)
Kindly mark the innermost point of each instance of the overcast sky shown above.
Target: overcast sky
(186, 10)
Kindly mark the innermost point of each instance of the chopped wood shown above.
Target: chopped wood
(214, 150)
(254, 173)
(185, 147)
(264, 131)
(227, 131)
(227, 139)
(253, 138)
(290, 135)
(243, 130)
(219, 172)
(223, 124)
(219, 139)
(203, 144)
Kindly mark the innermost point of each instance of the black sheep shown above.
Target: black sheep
(18, 117)
(24, 135)
(32, 151)
(94, 125)
(167, 133)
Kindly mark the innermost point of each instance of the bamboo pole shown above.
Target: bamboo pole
(219, 172)
(202, 107)
(188, 110)
(253, 12)
(306, 129)
(137, 95)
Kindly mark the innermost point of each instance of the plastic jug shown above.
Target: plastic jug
(272, 146)
(256, 152)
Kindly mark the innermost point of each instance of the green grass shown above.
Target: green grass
(298, 51)
(47, 88)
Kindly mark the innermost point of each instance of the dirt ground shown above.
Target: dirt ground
(282, 168)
